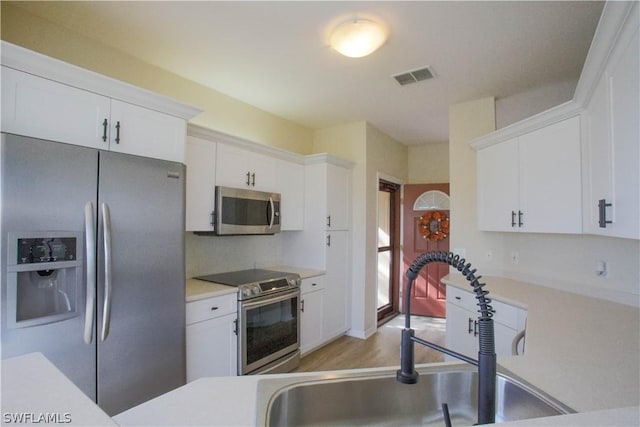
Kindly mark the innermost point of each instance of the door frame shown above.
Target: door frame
(396, 247)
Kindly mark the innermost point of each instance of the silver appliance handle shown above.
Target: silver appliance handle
(106, 309)
(516, 340)
(269, 299)
(273, 214)
(90, 242)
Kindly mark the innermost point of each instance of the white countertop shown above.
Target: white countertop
(583, 351)
(201, 289)
(34, 390)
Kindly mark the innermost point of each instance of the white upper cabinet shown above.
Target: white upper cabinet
(240, 168)
(143, 132)
(290, 185)
(200, 159)
(532, 183)
(40, 108)
(48, 99)
(338, 197)
(612, 205)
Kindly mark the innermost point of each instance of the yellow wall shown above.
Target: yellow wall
(428, 163)
(221, 112)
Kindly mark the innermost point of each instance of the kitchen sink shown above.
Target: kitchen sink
(377, 399)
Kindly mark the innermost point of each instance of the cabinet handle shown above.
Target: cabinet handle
(235, 326)
(458, 298)
(329, 240)
(248, 179)
(520, 215)
(118, 132)
(475, 328)
(214, 308)
(470, 323)
(253, 179)
(513, 218)
(328, 220)
(602, 213)
(104, 130)
(302, 306)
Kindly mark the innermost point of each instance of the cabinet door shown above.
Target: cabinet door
(40, 108)
(624, 76)
(212, 348)
(459, 335)
(240, 168)
(200, 157)
(550, 178)
(311, 320)
(143, 132)
(291, 187)
(338, 197)
(498, 187)
(336, 297)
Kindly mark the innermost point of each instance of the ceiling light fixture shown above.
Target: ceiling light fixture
(357, 37)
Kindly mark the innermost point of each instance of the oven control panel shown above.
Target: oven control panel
(274, 286)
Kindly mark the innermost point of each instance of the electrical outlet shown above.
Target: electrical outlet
(515, 257)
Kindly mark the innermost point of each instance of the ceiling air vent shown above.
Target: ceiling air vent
(414, 76)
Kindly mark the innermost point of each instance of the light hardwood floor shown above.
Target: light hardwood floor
(382, 349)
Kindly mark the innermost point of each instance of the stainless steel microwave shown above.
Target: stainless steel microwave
(240, 211)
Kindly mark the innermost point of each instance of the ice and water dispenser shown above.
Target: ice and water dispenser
(44, 277)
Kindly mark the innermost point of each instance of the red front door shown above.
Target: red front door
(428, 294)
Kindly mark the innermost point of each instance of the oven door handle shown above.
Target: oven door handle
(270, 299)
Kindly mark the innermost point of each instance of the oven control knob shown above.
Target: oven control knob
(246, 292)
(255, 290)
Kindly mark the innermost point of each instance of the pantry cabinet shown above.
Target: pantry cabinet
(612, 143)
(211, 336)
(323, 245)
(532, 183)
(462, 324)
(311, 313)
(49, 99)
(290, 185)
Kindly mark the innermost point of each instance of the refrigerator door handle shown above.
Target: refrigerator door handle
(90, 242)
(106, 309)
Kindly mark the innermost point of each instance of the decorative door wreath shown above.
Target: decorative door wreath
(434, 225)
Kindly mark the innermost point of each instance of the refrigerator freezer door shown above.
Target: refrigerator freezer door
(45, 187)
(142, 356)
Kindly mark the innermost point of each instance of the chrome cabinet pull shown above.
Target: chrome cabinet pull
(104, 130)
(520, 216)
(328, 220)
(214, 308)
(513, 218)
(475, 328)
(329, 240)
(106, 309)
(248, 179)
(253, 179)
(90, 244)
(469, 327)
(302, 306)
(602, 213)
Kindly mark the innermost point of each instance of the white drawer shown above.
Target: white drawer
(210, 308)
(311, 284)
(461, 298)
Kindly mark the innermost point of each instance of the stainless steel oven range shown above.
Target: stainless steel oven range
(268, 319)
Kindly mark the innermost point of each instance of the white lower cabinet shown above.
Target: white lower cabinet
(212, 342)
(462, 327)
(336, 292)
(312, 313)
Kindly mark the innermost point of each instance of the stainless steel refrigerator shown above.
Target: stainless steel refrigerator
(93, 275)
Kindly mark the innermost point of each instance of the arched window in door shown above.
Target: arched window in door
(432, 200)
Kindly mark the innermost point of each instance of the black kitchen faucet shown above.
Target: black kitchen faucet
(486, 362)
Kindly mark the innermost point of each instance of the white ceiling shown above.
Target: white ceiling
(274, 55)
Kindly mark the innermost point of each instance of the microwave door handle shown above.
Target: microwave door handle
(272, 216)
(90, 242)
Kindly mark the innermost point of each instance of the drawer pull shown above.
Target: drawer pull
(458, 298)
(214, 308)
(470, 323)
